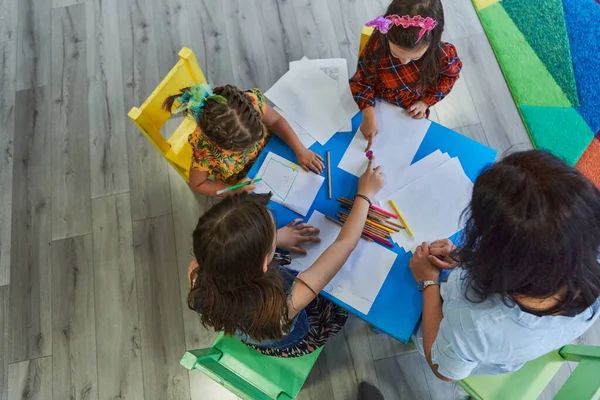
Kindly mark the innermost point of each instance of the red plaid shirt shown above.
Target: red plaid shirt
(399, 83)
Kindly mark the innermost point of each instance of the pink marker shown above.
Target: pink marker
(369, 154)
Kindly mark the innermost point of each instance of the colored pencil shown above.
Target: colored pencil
(389, 214)
(341, 224)
(239, 185)
(368, 228)
(401, 219)
(329, 172)
(387, 223)
(380, 226)
(379, 240)
(377, 218)
(371, 210)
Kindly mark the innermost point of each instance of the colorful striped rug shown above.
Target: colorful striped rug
(549, 52)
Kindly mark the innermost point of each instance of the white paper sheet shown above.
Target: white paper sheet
(362, 276)
(302, 134)
(432, 205)
(337, 70)
(395, 145)
(413, 172)
(311, 99)
(291, 186)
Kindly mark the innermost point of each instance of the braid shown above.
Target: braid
(236, 125)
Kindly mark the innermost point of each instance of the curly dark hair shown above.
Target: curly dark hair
(234, 125)
(230, 290)
(407, 37)
(533, 229)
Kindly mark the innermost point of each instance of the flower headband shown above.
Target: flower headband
(383, 24)
(194, 98)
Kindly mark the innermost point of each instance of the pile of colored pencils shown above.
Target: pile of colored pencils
(379, 225)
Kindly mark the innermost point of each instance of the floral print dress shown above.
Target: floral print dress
(224, 165)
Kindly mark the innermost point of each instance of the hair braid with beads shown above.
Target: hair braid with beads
(235, 125)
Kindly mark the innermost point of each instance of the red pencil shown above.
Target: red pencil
(389, 214)
(377, 239)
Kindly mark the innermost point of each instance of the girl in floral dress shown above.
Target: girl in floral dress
(233, 128)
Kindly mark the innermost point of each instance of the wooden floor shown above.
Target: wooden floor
(95, 227)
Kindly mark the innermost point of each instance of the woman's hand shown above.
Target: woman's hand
(371, 181)
(439, 254)
(420, 266)
(309, 160)
(369, 126)
(295, 233)
(417, 110)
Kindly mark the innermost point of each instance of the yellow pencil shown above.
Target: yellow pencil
(401, 219)
(380, 226)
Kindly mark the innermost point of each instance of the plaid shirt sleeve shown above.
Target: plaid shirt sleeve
(362, 82)
(450, 71)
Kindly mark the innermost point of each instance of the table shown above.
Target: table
(397, 308)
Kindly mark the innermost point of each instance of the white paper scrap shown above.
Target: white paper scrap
(432, 204)
(413, 172)
(291, 186)
(310, 98)
(302, 134)
(395, 145)
(362, 276)
(337, 70)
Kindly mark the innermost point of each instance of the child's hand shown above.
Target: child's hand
(369, 129)
(417, 110)
(295, 233)
(247, 189)
(371, 181)
(310, 160)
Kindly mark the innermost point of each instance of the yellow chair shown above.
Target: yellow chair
(365, 34)
(150, 117)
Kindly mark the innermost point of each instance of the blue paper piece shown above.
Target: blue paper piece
(397, 308)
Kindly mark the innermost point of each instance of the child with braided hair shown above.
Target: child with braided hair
(233, 127)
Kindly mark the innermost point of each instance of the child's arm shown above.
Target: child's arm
(362, 87)
(306, 158)
(449, 74)
(314, 279)
(200, 184)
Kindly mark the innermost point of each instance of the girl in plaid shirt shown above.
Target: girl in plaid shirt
(405, 62)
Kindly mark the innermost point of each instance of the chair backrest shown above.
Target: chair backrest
(249, 374)
(531, 380)
(150, 117)
(584, 381)
(365, 34)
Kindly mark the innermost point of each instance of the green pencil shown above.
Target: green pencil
(239, 185)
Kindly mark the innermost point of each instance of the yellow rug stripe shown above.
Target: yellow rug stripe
(481, 4)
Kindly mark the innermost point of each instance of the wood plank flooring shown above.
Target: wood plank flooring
(95, 227)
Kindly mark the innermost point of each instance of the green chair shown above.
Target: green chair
(249, 374)
(530, 381)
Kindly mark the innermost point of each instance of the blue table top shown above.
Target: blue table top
(397, 308)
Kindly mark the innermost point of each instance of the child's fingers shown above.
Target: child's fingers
(299, 250)
(318, 156)
(295, 222)
(306, 239)
(320, 166)
(369, 144)
(309, 230)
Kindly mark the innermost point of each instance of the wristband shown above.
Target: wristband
(362, 196)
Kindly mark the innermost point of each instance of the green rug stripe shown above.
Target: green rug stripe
(530, 82)
(559, 130)
(542, 22)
